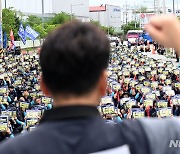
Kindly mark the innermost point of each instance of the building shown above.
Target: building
(107, 15)
(78, 8)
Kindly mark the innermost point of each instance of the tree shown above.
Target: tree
(133, 25)
(10, 21)
(60, 18)
(33, 20)
(107, 30)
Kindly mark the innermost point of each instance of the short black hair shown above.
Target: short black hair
(73, 57)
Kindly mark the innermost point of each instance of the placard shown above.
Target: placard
(17, 82)
(162, 104)
(170, 92)
(3, 126)
(108, 109)
(3, 90)
(154, 84)
(31, 122)
(24, 105)
(106, 100)
(177, 85)
(32, 113)
(46, 100)
(165, 112)
(130, 103)
(148, 102)
(151, 96)
(3, 123)
(137, 113)
(145, 90)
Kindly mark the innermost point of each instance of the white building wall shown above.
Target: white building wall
(110, 17)
(114, 16)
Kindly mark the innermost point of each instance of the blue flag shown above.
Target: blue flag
(31, 33)
(5, 40)
(22, 33)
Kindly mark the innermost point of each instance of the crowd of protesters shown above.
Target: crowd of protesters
(21, 101)
(137, 86)
(140, 86)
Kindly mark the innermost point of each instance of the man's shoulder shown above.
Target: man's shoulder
(28, 141)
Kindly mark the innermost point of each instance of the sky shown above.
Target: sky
(131, 3)
(35, 5)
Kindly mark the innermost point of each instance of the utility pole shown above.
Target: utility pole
(164, 6)
(173, 7)
(126, 13)
(1, 34)
(71, 12)
(5, 4)
(42, 14)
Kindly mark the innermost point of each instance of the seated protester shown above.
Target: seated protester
(115, 98)
(153, 110)
(36, 101)
(161, 92)
(2, 82)
(20, 113)
(132, 92)
(7, 81)
(2, 106)
(6, 135)
(123, 113)
(18, 92)
(117, 119)
(176, 89)
(12, 95)
(27, 97)
(173, 77)
(109, 119)
(177, 110)
(138, 96)
(125, 95)
(163, 51)
(141, 49)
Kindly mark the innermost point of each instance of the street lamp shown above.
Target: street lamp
(72, 5)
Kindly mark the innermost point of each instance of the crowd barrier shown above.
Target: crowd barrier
(29, 43)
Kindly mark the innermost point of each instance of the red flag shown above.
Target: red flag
(12, 39)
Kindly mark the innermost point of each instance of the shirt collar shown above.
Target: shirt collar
(69, 112)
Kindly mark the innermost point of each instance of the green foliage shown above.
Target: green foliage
(33, 20)
(10, 21)
(133, 25)
(107, 30)
(60, 18)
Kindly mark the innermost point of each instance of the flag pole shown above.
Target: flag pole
(1, 35)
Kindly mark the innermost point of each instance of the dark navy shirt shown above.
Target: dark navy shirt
(81, 130)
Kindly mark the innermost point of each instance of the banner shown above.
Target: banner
(22, 33)
(12, 45)
(31, 33)
(5, 40)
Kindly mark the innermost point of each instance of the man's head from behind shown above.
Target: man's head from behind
(74, 59)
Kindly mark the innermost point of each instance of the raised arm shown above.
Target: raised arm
(166, 30)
